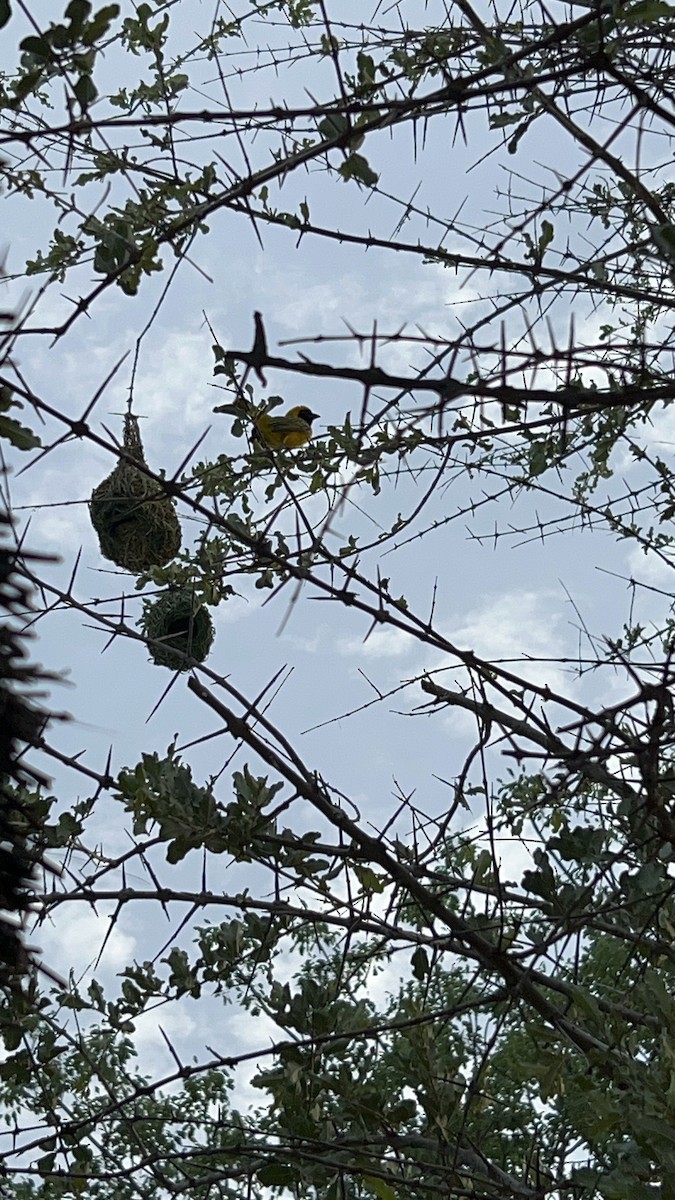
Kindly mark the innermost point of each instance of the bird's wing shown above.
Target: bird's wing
(284, 425)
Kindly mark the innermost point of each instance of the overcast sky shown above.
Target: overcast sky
(513, 597)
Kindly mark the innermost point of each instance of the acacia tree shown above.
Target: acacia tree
(521, 1041)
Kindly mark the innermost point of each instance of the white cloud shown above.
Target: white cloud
(170, 1020)
(409, 297)
(173, 381)
(513, 628)
(512, 624)
(659, 430)
(75, 940)
(650, 569)
(382, 643)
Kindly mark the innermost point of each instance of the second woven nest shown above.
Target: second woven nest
(179, 628)
(135, 520)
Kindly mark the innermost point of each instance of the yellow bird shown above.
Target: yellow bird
(290, 431)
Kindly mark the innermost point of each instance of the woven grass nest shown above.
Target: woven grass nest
(135, 521)
(177, 621)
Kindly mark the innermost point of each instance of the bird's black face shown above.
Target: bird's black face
(307, 415)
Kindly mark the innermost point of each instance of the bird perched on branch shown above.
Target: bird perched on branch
(291, 430)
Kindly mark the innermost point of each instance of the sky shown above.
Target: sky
(514, 596)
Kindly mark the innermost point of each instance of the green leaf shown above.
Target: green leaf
(514, 141)
(18, 435)
(542, 882)
(538, 458)
(420, 963)
(277, 1175)
(77, 13)
(404, 1110)
(85, 91)
(61, 36)
(656, 1132)
(664, 239)
(100, 24)
(379, 1187)
(483, 865)
(37, 46)
(646, 11)
(368, 879)
(366, 67)
(329, 45)
(5, 12)
(546, 236)
(45, 1164)
(502, 119)
(357, 167)
(333, 126)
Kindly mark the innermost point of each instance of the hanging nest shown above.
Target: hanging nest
(135, 521)
(178, 621)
